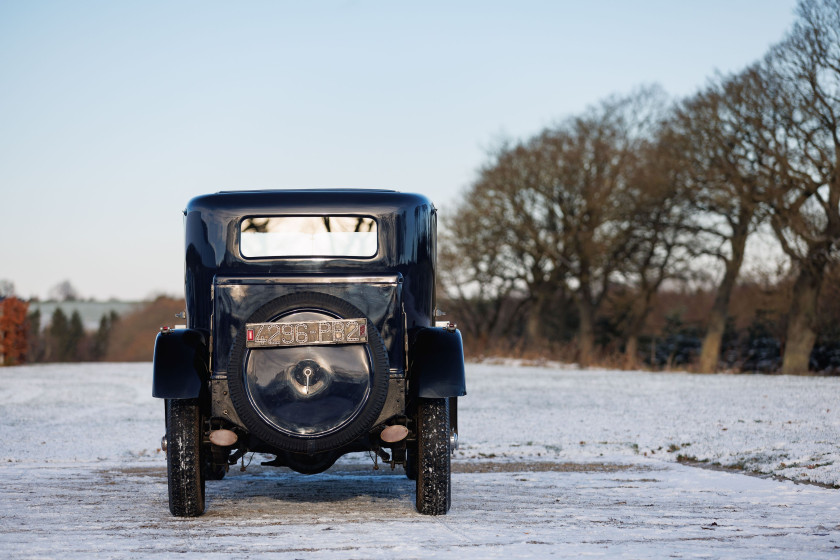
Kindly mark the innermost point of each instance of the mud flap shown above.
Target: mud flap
(180, 364)
(437, 363)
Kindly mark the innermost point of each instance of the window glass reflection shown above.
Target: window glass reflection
(308, 236)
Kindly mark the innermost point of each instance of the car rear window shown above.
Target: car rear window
(308, 236)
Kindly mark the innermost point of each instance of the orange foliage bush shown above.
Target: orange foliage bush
(13, 331)
(132, 338)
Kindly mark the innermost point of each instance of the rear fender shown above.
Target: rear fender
(437, 363)
(180, 364)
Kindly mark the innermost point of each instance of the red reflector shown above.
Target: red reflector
(250, 335)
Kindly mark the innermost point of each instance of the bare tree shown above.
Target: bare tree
(589, 193)
(499, 244)
(661, 243)
(721, 172)
(64, 291)
(559, 213)
(7, 288)
(802, 132)
(476, 281)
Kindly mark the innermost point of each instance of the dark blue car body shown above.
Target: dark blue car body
(266, 359)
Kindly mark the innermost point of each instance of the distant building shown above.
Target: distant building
(91, 312)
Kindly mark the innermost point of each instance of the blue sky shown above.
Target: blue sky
(114, 114)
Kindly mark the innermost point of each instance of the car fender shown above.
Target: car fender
(437, 363)
(180, 364)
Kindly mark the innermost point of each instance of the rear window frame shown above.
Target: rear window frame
(243, 219)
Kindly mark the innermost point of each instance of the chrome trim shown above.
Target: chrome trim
(395, 279)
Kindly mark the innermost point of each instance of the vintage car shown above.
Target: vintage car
(310, 333)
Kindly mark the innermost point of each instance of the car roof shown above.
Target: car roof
(308, 201)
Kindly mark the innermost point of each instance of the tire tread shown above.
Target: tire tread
(183, 458)
(434, 475)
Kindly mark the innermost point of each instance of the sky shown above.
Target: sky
(113, 115)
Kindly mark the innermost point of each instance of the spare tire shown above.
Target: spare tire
(345, 384)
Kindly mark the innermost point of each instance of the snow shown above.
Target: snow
(781, 425)
(554, 461)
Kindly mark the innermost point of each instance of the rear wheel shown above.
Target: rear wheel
(434, 478)
(411, 463)
(183, 458)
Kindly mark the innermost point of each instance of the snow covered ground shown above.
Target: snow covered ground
(553, 462)
(781, 425)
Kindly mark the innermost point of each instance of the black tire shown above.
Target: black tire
(184, 466)
(434, 476)
(411, 463)
(356, 426)
(453, 417)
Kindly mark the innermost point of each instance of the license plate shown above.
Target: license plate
(306, 333)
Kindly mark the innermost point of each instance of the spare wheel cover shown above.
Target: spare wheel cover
(345, 385)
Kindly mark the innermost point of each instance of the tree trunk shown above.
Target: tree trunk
(534, 328)
(636, 324)
(631, 352)
(801, 320)
(710, 351)
(631, 344)
(586, 333)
